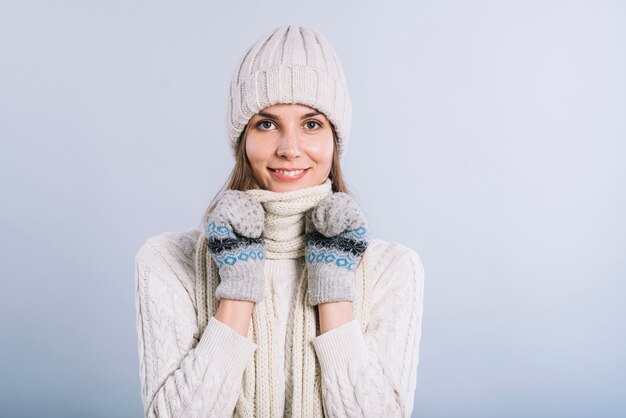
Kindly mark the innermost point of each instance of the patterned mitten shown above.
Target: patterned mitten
(336, 239)
(234, 237)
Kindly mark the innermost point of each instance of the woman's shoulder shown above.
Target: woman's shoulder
(385, 257)
(171, 255)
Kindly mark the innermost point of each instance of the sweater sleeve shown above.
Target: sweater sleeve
(182, 376)
(375, 373)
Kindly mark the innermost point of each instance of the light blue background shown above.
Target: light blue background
(487, 135)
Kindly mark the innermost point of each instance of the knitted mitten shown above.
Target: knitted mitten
(234, 237)
(336, 238)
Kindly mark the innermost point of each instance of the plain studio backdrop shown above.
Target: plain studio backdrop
(489, 136)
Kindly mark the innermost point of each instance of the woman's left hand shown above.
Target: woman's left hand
(336, 238)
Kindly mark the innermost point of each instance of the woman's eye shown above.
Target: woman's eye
(265, 124)
(312, 124)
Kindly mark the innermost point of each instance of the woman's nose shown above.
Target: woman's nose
(289, 145)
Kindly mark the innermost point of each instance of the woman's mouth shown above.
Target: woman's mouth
(289, 175)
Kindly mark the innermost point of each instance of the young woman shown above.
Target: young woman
(281, 304)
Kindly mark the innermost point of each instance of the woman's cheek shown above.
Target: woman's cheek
(322, 151)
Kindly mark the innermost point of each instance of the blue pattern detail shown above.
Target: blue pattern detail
(219, 230)
(329, 256)
(247, 253)
(360, 232)
(240, 255)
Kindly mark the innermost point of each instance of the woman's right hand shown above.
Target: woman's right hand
(234, 235)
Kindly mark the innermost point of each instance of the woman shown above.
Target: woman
(281, 304)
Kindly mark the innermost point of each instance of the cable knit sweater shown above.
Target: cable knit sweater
(364, 374)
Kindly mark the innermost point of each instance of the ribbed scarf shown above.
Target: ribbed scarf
(284, 233)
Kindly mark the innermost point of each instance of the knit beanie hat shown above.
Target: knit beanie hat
(292, 64)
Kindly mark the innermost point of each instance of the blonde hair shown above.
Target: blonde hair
(241, 177)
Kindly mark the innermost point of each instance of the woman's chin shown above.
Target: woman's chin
(277, 186)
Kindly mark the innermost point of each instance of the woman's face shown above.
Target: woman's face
(289, 146)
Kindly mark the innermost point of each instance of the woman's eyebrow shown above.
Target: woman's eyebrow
(272, 116)
(268, 115)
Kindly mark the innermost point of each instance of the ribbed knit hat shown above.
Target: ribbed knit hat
(292, 64)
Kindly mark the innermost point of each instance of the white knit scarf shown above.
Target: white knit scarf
(284, 233)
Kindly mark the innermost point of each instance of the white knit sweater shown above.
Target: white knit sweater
(371, 374)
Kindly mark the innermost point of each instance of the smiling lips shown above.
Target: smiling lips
(288, 175)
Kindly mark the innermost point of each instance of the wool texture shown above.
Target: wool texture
(337, 237)
(284, 234)
(192, 365)
(234, 238)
